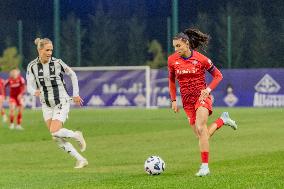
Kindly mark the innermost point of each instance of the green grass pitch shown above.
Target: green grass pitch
(120, 140)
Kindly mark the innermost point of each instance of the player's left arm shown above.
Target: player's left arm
(68, 71)
(22, 88)
(217, 78)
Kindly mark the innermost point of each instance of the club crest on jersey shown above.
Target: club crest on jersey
(52, 68)
(176, 62)
(194, 62)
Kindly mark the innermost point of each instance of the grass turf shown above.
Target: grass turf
(120, 140)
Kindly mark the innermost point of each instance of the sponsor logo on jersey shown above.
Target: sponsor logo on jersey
(187, 71)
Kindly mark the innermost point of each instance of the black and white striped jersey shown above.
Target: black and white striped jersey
(48, 78)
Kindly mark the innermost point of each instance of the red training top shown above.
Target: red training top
(2, 87)
(17, 86)
(190, 74)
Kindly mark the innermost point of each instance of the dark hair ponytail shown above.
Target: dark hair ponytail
(195, 38)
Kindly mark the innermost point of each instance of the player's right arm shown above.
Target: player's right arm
(31, 82)
(172, 84)
(2, 88)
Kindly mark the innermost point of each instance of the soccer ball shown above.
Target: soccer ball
(154, 165)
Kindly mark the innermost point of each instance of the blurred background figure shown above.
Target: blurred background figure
(16, 85)
(2, 99)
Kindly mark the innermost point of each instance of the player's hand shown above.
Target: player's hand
(19, 97)
(204, 94)
(78, 100)
(37, 93)
(174, 106)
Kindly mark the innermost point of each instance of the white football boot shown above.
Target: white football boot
(228, 121)
(80, 139)
(81, 163)
(203, 171)
(19, 127)
(12, 126)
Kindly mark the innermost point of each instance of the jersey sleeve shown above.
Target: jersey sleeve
(2, 89)
(68, 71)
(214, 71)
(172, 82)
(23, 85)
(31, 82)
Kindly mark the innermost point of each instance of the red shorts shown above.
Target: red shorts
(14, 100)
(190, 110)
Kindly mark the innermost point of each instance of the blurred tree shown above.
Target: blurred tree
(159, 60)
(103, 47)
(69, 40)
(237, 30)
(137, 44)
(260, 43)
(10, 59)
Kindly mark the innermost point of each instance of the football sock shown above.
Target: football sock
(204, 157)
(68, 147)
(219, 123)
(19, 118)
(64, 133)
(2, 112)
(11, 118)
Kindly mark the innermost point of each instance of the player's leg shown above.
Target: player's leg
(12, 106)
(54, 126)
(20, 105)
(224, 119)
(59, 133)
(202, 114)
(191, 115)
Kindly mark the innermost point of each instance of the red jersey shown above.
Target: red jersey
(190, 74)
(17, 86)
(2, 87)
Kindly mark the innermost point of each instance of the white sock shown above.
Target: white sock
(204, 164)
(68, 147)
(64, 133)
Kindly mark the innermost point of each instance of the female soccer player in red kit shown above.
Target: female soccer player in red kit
(188, 67)
(2, 98)
(16, 83)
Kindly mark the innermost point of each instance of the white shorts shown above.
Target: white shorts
(58, 112)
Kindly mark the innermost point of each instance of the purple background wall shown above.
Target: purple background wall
(251, 87)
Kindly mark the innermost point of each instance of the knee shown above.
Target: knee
(55, 126)
(202, 130)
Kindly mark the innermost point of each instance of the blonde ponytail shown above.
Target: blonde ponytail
(41, 42)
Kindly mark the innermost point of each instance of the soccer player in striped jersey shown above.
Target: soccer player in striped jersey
(2, 99)
(17, 85)
(45, 80)
(188, 67)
